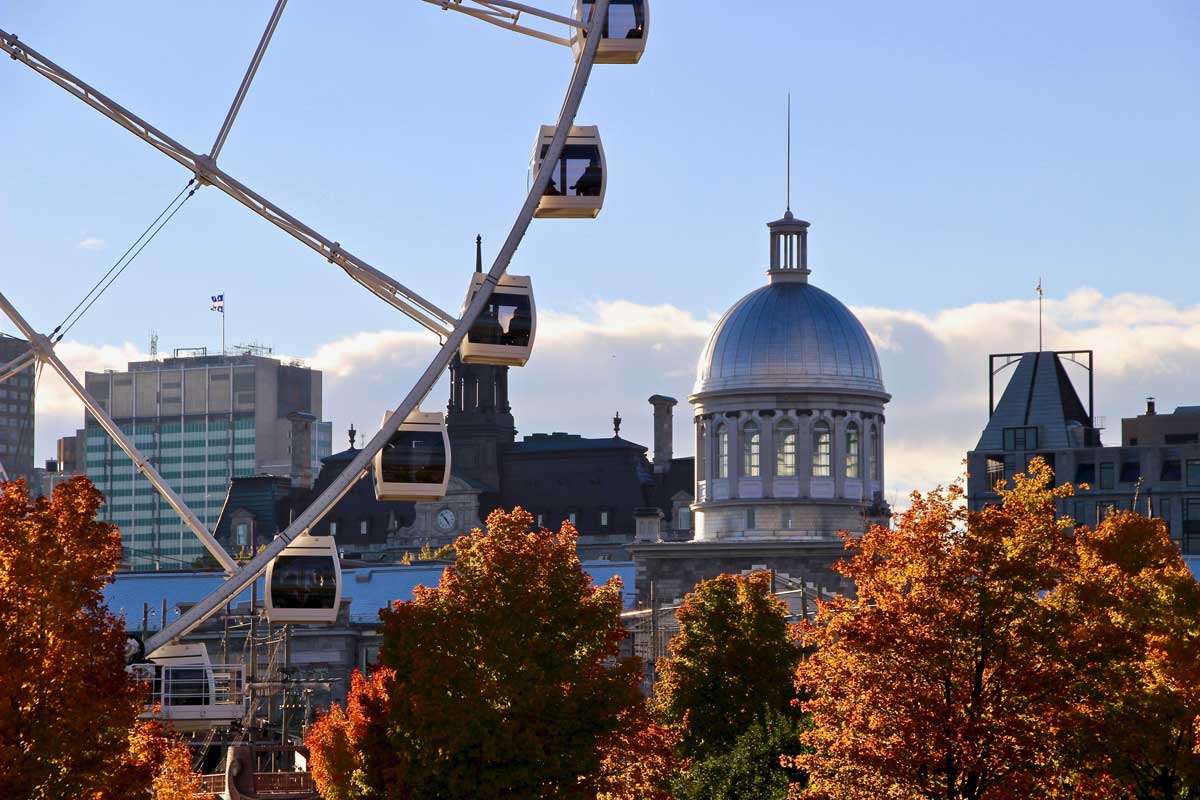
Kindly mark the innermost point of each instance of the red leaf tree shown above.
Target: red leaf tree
(504, 681)
(68, 710)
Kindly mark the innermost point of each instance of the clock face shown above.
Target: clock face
(445, 519)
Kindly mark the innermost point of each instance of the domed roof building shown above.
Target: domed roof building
(789, 401)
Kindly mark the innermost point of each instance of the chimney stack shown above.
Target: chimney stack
(663, 431)
(1150, 407)
(300, 448)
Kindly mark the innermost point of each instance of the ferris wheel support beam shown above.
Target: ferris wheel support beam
(359, 465)
(236, 106)
(21, 362)
(494, 13)
(44, 351)
(206, 171)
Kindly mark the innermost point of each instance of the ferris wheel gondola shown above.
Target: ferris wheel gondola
(577, 179)
(624, 33)
(304, 582)
(502, 334)
(415, 462)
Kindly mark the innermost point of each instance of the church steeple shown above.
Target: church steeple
(478, 417)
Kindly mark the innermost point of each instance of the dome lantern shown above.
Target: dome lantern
(789, 249)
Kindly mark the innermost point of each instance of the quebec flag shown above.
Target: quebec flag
(218, 303)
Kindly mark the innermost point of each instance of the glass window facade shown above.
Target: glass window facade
(785, 452)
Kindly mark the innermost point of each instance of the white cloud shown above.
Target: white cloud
(91, 243)
(615, 354)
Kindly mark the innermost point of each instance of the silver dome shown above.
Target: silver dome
(789, 336)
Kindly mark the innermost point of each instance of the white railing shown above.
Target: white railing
(173, 686)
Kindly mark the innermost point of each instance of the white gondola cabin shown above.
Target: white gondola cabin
(577, 180)
(624, 34)
(503, 332)
(188, 691)
(304, 582)
(415, 463)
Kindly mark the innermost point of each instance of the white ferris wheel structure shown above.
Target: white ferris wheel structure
(596, 31)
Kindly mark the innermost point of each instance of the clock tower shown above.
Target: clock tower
(479, 418)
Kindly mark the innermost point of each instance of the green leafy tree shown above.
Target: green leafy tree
(503, 682)
(751, 768)
(726, 688)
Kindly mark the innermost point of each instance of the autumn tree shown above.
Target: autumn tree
(1135, 619)
(504, 681)
(639, 759)
(948, 675)
(68, 709)
(726, 686)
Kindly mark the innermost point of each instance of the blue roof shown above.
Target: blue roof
(368, 588)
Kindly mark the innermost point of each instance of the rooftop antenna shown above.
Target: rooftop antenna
(789, 154)
(153, 345)
(1039, 291)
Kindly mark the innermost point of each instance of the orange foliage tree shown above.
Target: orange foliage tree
(504, 681)
(1135, 611)
(948, 675)
(68, 709)
(1007, 654)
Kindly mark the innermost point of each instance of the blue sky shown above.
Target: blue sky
(947, 155)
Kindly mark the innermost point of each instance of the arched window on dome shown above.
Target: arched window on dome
(853, 464)
(874, 451)
(751, 450)
(822, 452)
(785, 450)
(722, 465)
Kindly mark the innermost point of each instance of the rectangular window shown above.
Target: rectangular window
(1191, 525)
(723, 452)
(1085, 473)
(785, 466)
(785, 520)
(571, 517)
(1182, 438)
(333, 529)
(749, 519)
(751, 463)
(1106, 475)
(822, 453)
(685, 519)
(540, 521)
(995, 471)
(603, 519)
(1131, 471)
(243, 534)
(1164, 510)
(852, 455)
(1025, 438)
(1193, 472)
(364, 527)
(1172, 470)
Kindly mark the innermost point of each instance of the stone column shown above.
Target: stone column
(804, 452)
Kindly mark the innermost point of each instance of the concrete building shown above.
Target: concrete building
(202, 420)
(788, 412)
(1154, 470)
(16, 413)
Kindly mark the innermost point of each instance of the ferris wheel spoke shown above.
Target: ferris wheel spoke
(396, 294)
(236, 106)
(360, 464)
(507, 15)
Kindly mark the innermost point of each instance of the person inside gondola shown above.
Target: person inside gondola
(551, 190)
(589, 182)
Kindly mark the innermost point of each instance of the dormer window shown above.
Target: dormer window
(1024, 438)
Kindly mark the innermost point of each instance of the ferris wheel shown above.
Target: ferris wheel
(409, 456)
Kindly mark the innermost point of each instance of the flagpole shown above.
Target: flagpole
(1039, 315)
(223, 325)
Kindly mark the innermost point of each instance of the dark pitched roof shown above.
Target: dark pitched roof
(1039, 394)
(569, 443)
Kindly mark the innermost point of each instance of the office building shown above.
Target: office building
(201, 420)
